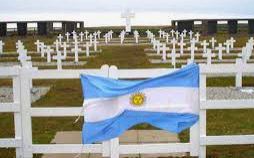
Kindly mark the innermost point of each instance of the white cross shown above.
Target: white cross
(43, 49)
(122, 36)
(192, 48)
(154, 42)
(60, 37)
(181, 44)
(167, 37)
(197, 35)
(244, 55)
(37, 43)
(106, 38)
(164, 51)
(128, 15)
(204, 44)
(48, 51)
(209, 55)
(87, 45)
(81, 36)
(95, 44)
(57, 45)
(220, 48)
(227, 44)
(173, 56)
(91, 38)
(172, 33)
(177, 34)
(86, 33)
(95, 35)
(136, 36)
(182, 37)
(191, 34)
(74, 33)
(174, 42)
(23, 57)
(160, 33)
(184, 32)
(67, 36)
(232, 41)
(99, 34)
(158, 45)
(59, 59)
(76, 50)
(65, 49)
(213, 41)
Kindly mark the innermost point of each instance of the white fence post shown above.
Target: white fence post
(25, 98)
(106, 144)
(17, 115)
(239, 74)
(114, 143)
(202, 113)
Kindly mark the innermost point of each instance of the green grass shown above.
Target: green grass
(68, 93)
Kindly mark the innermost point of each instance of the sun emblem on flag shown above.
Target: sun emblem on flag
(137, 99)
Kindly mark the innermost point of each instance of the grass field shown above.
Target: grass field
(68, 93)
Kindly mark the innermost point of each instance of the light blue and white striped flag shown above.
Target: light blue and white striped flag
(169, 102)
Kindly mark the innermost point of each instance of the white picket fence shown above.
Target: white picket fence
(23, 112)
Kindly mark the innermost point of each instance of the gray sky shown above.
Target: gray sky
(245, 7)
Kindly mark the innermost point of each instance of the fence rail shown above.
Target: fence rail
(23, 112)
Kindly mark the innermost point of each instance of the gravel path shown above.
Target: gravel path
(6, 94)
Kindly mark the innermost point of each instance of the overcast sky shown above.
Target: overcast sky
(205, 6)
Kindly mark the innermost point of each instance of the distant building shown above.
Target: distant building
(210, 26)
(42, 27)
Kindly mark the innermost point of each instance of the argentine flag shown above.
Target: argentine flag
(111, 107)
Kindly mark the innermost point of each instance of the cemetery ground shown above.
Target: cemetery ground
(68, 93)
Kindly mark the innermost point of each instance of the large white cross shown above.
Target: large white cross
(184, 32)
(128, 15)
(167, 37)
(122, 36)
